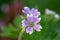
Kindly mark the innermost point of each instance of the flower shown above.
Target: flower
(31, 23)
(56, 15)
(33, 11)
(32, 20)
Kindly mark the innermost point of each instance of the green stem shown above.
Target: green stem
(21, 33)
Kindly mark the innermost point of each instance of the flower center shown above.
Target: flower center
(31, 24)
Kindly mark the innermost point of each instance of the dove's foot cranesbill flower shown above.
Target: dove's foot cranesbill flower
(31, 23)
(33, 11)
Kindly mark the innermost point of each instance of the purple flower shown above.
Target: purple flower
(33, 11)
(31, 23)
(32, 20)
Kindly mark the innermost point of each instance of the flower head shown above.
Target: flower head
(32, 20)
(33, 11)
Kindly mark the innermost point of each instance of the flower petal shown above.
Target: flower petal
(37, 27)
(30, 17)
(29, 30)
(36, 20)
(35, 12)
(33, 19)
(26, 10)
(24, 23)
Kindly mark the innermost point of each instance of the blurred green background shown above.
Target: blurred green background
(41, 4)
(50, 25)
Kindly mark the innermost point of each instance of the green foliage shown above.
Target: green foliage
(12, 31)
